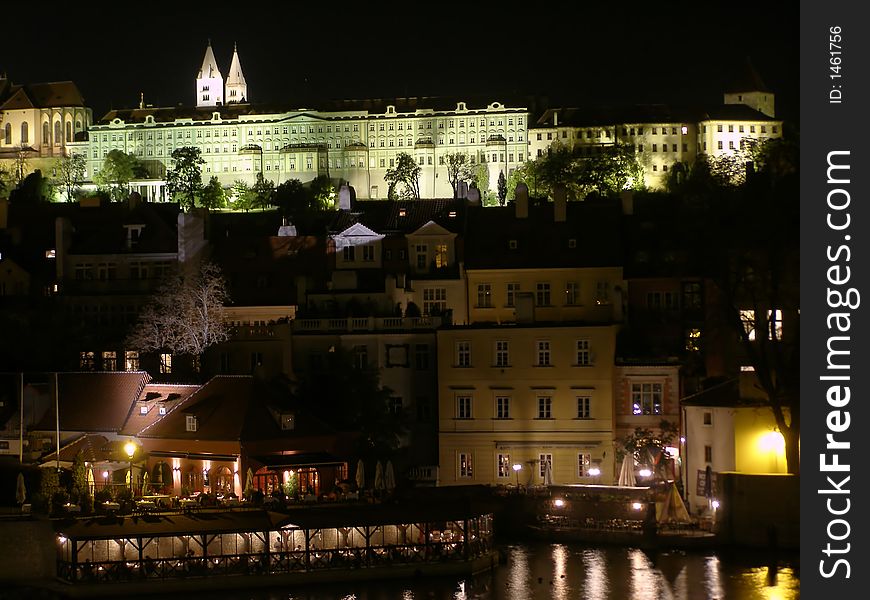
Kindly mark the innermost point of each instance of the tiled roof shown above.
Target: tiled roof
(101, 230)
(539, 241)
(603, 116)
(94, 448)
(401, 216)
(152, 397)
(42, 95)
(94, 402)
(734, 112)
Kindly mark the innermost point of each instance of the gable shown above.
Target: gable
(18, 100)
(356, 234)
(431, 228)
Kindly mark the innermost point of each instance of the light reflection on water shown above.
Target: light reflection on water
(536, 571)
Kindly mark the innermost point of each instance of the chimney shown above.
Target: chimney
(346, 197)
(560, 203)
(521, 200)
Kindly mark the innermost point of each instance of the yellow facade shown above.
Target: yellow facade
(514, 394)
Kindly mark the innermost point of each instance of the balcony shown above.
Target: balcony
(358, 324)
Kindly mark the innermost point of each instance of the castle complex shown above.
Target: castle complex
(358, 141)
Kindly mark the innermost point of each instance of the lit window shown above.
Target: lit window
(646, 398)
(131, 360)
(747, 318)
(190, 423)
(161, 410)
(543, 461)
(143, 410)
(504, 465)
(693, 340)
(465, 466)
(165, 362)
(584, 462)
(484, 295)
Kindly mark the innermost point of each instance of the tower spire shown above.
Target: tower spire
(209, 82)
(237, 87)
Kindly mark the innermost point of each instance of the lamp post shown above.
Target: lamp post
(517, 468)
(130, 449)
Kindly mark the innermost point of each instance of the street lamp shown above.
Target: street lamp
(130, 449)
(517, 468)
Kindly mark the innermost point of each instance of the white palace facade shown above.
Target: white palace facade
(358, 141)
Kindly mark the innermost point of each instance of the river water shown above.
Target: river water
(537, 571)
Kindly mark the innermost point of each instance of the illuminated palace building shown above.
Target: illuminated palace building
(358, 141)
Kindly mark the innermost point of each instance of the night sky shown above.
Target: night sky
(298, 53)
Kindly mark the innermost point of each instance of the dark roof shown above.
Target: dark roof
(94, 401)
(101, 230)
(202, 522)
(724, 394)
(298, 459)
(401, 216)
(41, 95)
(604, 116)
(540, 241)
(152, 396)
(746, 79)
(372, 105)
(94, 448)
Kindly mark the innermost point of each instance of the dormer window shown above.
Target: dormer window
(403, 212)
(50, 253)
(143, 410)
(288, 421)
(190, 423)
(512, 244)
(162, 410)
(572, 243)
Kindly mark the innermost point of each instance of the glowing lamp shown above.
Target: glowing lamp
(715, 504)
(644, 472)
(558, 503)
(636, 505)
(595, 471)
(130, 449)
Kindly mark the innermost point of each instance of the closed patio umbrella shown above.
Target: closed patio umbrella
(91, 484)
(626, 473)
(379, 476)
(20, 490)
(389, 477)
(360, 474)
(249, 483)
(548, 473)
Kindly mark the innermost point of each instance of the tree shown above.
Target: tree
(20, 165)
(458, 169)
(184, 179)
(352, 399)
(34, 188)
(119, 169)
(262, 192)
(322, 193)
(407, 173)
(647, 446)
(71, 174)
(244, 197)
(502, 188)
(185, 316)
(214, 195)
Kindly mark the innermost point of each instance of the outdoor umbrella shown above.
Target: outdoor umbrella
(390, 477)
(360, 474)
(379, 476)
(249, 483)
(548, 473)
(145, 486)
(626, 473)
(20, 490)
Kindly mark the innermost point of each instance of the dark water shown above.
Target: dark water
(573, 571)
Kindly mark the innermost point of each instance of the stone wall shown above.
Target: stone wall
(27, 551)
(760, 511)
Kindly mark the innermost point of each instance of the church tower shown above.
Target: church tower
(209, 83)
(748, 88)
(237, 88)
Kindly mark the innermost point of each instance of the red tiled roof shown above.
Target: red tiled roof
(152, 397)
(93, 402)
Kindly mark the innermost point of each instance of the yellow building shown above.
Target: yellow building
(526, 395)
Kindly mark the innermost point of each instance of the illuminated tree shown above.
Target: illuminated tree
(322, 193)
(119, 169)
(647, 446)
(458, 169)
(71, 174)
(502, 188)
(262, 192)
(407, 173)
(214, 195)
(185, 316)
(184, 179)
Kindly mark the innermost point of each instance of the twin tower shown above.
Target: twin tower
(210, 89)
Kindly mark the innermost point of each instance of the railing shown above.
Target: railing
(427, 473)
(365, 324)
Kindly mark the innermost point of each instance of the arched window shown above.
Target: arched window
(68, 131)
(161, 477)
(78, 126)
(222, 480)
(45, 133)
(8, 133)
(25, 138)
(58, 133)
